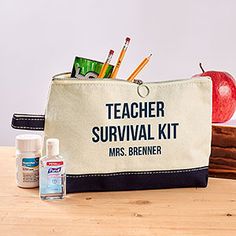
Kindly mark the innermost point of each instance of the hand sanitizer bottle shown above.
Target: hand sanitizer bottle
(52, 177)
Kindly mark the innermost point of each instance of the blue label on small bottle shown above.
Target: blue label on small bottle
(30, 162)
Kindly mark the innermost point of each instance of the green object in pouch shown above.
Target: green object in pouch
(86, 68)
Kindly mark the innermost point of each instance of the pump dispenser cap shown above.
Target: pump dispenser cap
(52, 147)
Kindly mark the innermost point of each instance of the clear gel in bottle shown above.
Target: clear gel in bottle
(52, 177)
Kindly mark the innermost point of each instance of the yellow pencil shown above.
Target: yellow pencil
(120, 59)
(139, 68)
(105, 65)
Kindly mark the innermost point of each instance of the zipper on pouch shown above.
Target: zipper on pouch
(65, 77)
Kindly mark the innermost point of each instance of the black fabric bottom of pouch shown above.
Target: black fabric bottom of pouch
(197, 177)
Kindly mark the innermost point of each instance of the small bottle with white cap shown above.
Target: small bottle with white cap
(52, 178)
(28, 152)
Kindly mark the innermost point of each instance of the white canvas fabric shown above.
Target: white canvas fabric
(150, 127)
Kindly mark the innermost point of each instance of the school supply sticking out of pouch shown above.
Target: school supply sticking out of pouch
(120, 58)
(105, 65)
(84, 68)
(139, 68)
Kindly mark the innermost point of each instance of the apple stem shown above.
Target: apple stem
(200, 64)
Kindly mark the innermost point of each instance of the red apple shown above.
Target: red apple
(223, 95)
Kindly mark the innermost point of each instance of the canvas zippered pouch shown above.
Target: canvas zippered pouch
(117, 135)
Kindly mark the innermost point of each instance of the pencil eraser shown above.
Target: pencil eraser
(111, 52)
(127, 39)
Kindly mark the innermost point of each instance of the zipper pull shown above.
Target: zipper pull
(138, 81)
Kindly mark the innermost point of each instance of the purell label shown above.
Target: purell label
(55, 163)
(51, 180)
(54, 170)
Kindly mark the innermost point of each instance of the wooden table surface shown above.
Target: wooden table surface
(192, 211)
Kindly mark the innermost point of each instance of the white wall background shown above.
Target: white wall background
(40, 38)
